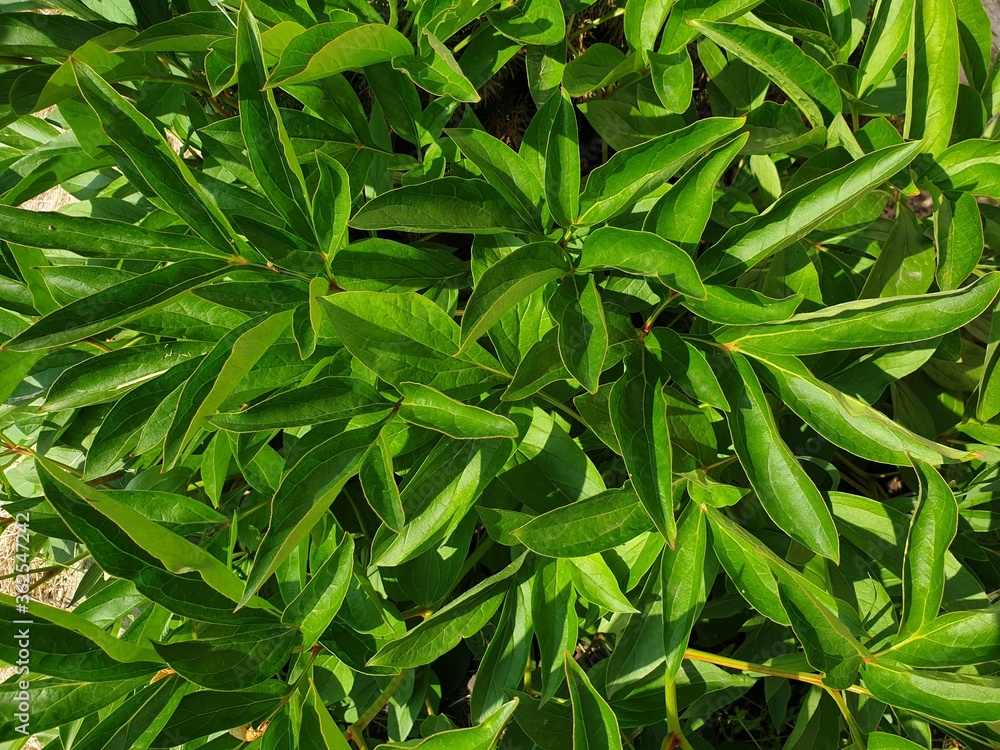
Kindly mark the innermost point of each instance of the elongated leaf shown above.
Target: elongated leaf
(502, 666)
(324, 400)
(587, 526)
(503, 169)
(958, 235)
(562, 161)
(576, 307)
(553, 615)
(829, 645)
(217, 374)
(932, 74)
(448, 204)
(955, 698)
(158, 167)
(268, 146)
(800, 210)
(303, 496)
(507, 282)
(317, 604)
(846, 421)
(483, 736)
(639, 416)
(328, 49)
(683, 585)
(116, 305)
(787, 493)
(595, 726)
(955, 639)
(641, 254)
(880, 322)
(406, 338)
(804, 80)
(634, 172)
(932, 529)
(425, 407)
(461, 618)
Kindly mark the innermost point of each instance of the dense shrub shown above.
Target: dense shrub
(541, 375)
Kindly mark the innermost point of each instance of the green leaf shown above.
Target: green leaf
(635, 172)
(379, 485)
(502, 666)
(735, 306)
(425, 407)
(503, 169)
(562, 161)
(406, 337)
(303, 497)
(99, 238)
(684, 583)
(553, 615)
(955, 639)
(686, 365)
(847, 422)
(268, 146)
(136, 722)
(231, 662)
(537, 22)
(682, 214)
(829, 645)
(588, 526)
(800, 210)
(216, 377)
(887, 41)
(317, 604)
(968, 166)
(932, 74)
(878, 322)
(595, 726)
(109, 376)
(596, 582)
(641, 254)
(461, 618)
(789, 496)
(507, 282)
(575, 305)
(378, 265)
(958, 236)
(483, 736)
(324, 400)
(639, 417)
(448, 204)
(932, 529)
(149, 158)
(116, 305)
(331, 48)
(440, 493)
(954, 698)
(804, 80)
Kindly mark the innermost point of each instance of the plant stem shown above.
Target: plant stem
(746, 666)
(675, 735)
(354, 732)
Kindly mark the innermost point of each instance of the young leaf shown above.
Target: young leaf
(562, 161)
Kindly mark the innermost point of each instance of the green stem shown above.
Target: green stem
(746, 666)
(354, 732)
(596, 22)
(675, 736)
